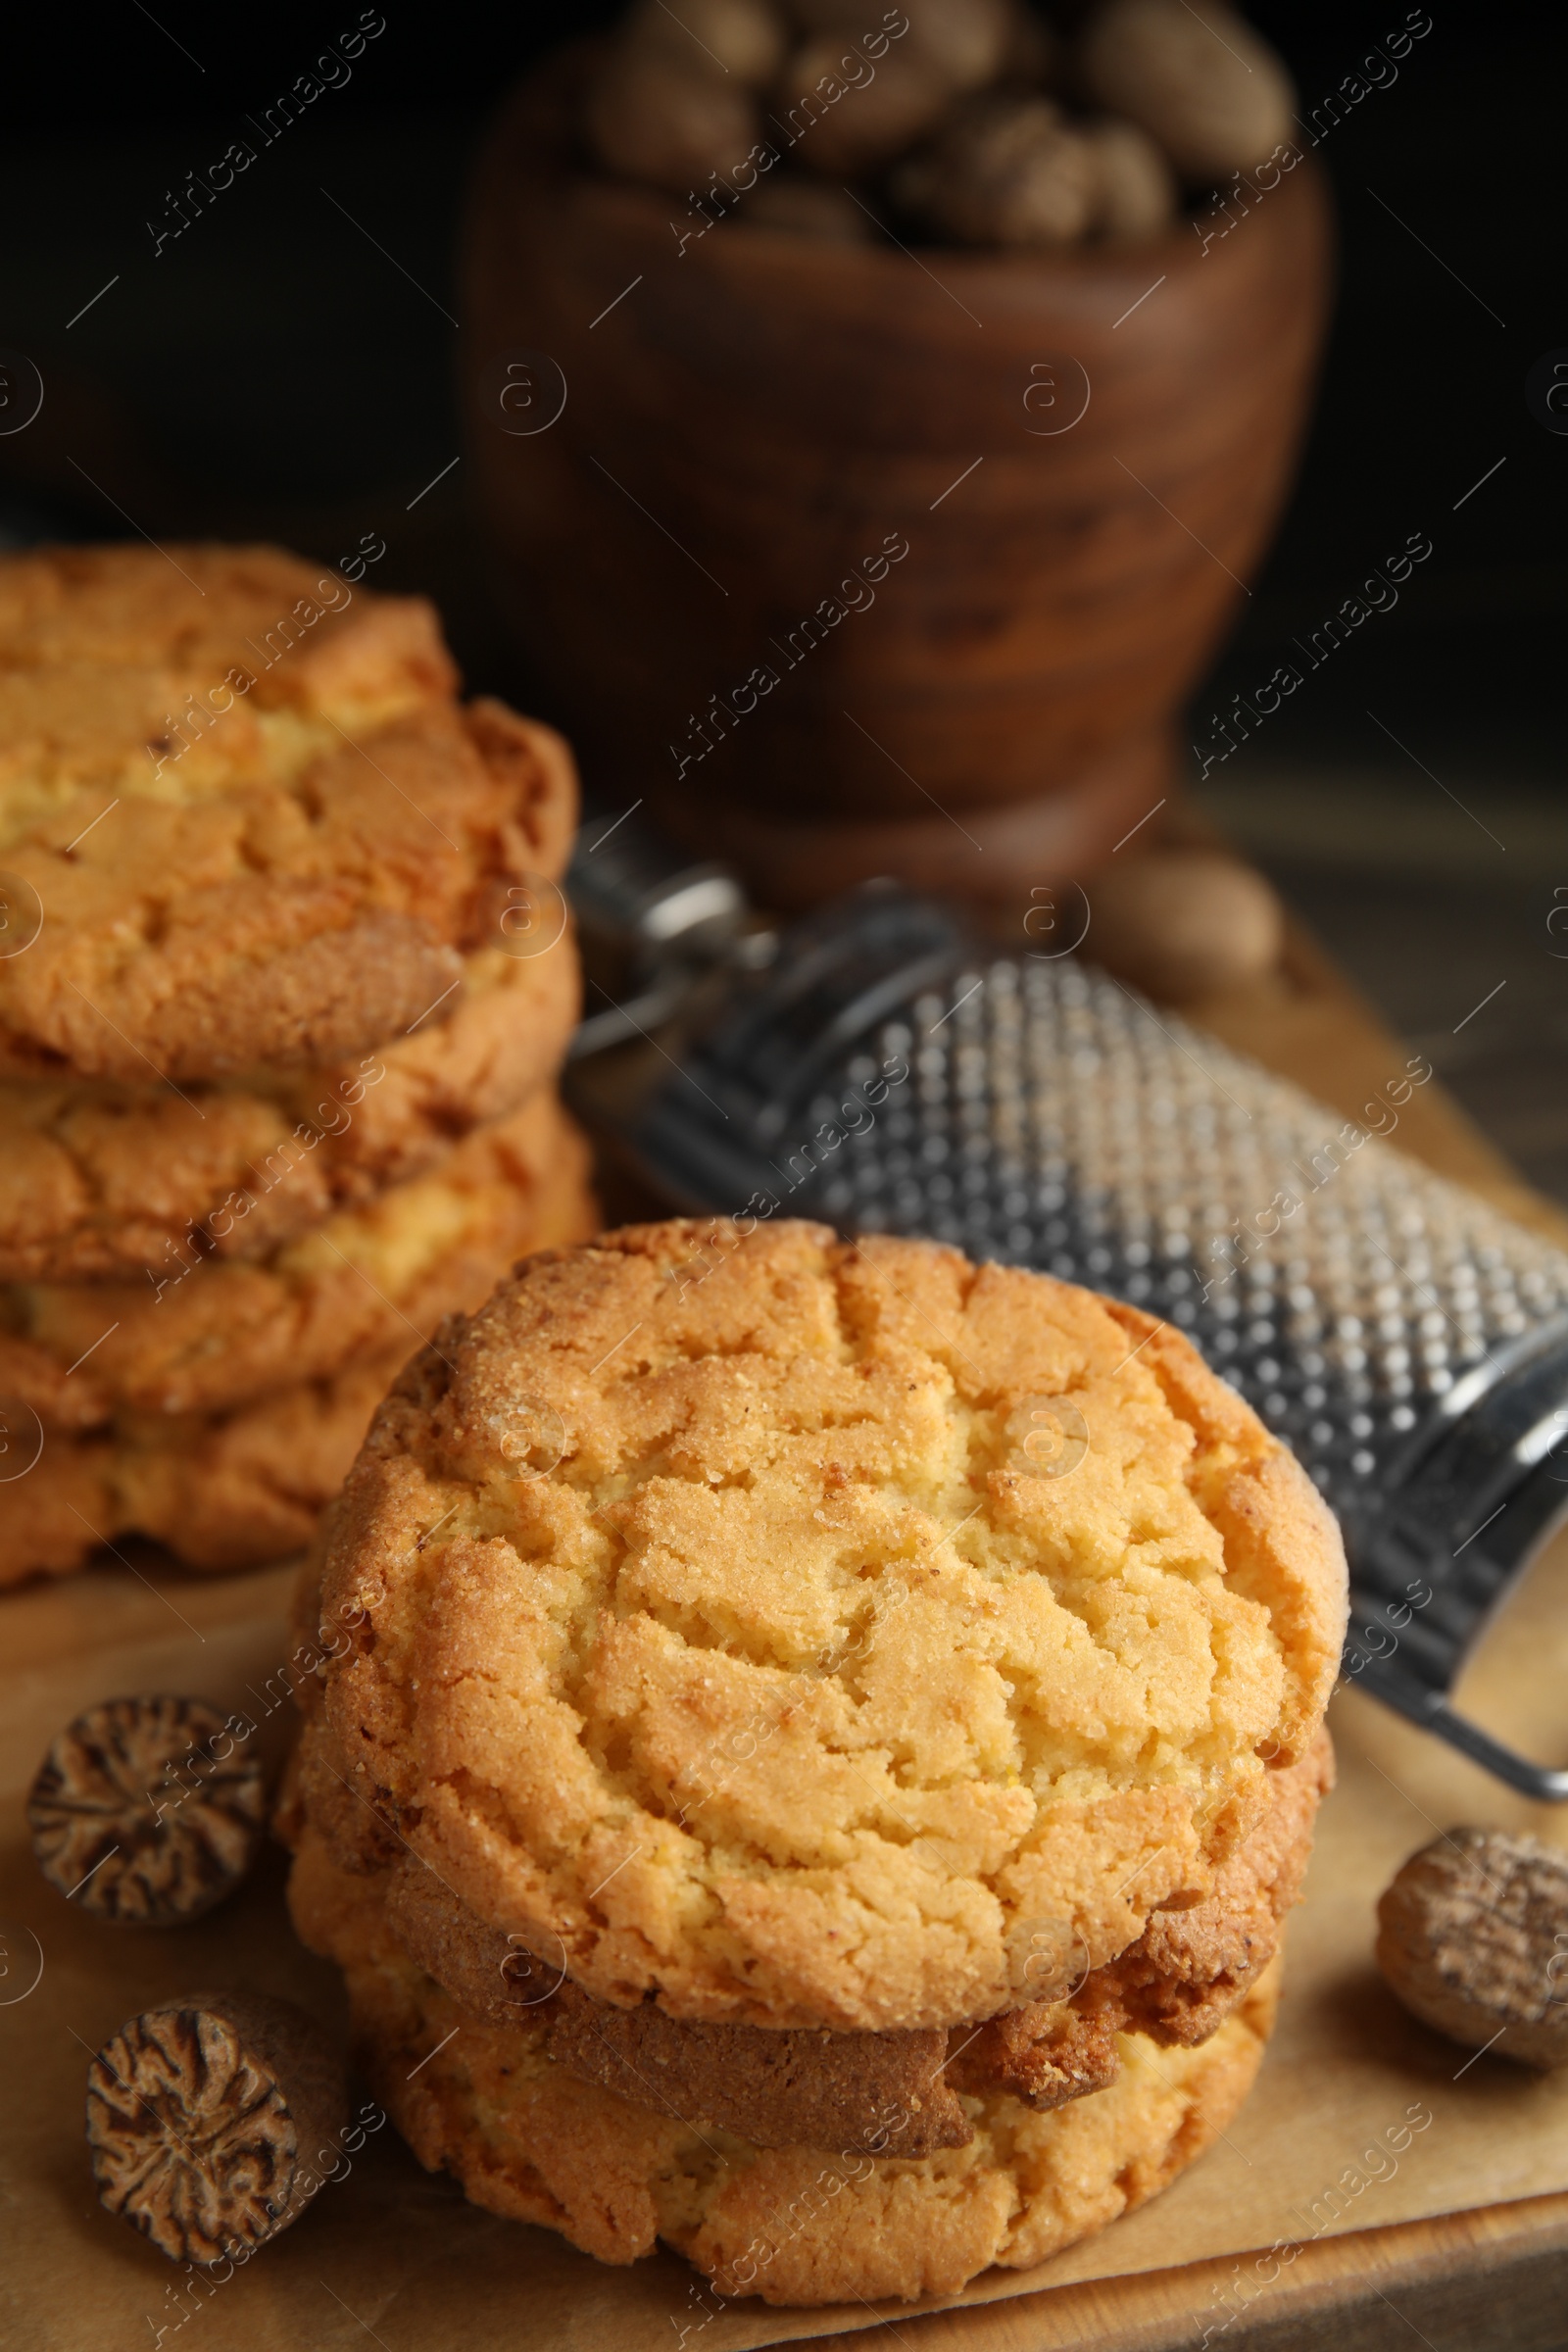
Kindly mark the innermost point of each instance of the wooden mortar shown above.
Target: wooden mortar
(750, 416)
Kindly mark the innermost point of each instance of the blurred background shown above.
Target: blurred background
(285, 370)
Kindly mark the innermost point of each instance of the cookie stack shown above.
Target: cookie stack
(285, 982)
(828, 1800)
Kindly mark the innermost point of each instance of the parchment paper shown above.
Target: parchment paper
(1331, 2141)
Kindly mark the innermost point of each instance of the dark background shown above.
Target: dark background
(279, 371)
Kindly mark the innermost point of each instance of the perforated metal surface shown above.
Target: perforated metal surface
(1053, 1120)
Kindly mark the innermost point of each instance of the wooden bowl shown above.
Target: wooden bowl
(1084, 455)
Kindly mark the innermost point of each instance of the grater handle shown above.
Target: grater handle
(1430, 1713)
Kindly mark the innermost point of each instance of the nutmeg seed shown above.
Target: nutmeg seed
(1004, 171)
(849, 119)
(747, 39)
(655, 119)
(1473, 1937)
(1134, 188)
(1208, 87)
(137, 1818)
(1180, 923)
(965, 42)
(213, 2119)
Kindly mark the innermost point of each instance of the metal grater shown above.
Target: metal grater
(1404, 1339)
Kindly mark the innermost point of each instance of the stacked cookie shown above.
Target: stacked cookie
(835, 1732)
(285, 982)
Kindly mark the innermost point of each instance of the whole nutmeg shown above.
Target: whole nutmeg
(1181, 922)
(147, 1811)
(668, 123)
(849, 116)
(1134, 188)
(794, 206)
(966, 43)
(747, 39)
(1203, 83)
(966, 40)
(213, 2119)
(1004, 171)
(1473, 1937)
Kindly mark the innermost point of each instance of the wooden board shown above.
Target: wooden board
(1489, 2281)
(1492, 2276)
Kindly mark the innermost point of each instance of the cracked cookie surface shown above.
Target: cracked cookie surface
(1188, 1972)
(788, 1692)
(243, 814)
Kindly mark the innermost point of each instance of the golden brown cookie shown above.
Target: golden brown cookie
(209, 1333)
(777, 2087)
(242, 814)
(793, 1694)
(1189, 1968)
(221, 1490)
(229, 1489)
(1186, 1974)
(101, 1179)
(793, 2226)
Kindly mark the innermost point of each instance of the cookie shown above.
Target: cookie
(101, 1179)
(777, 2087)
(205, 1335)
(232, 1489)
(1189, 1968)
(241, 816)
(793, 2226)
(1188, 1972)
(791, 1688)
(221, 1490)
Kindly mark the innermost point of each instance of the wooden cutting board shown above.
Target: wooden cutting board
(1494, 2275)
